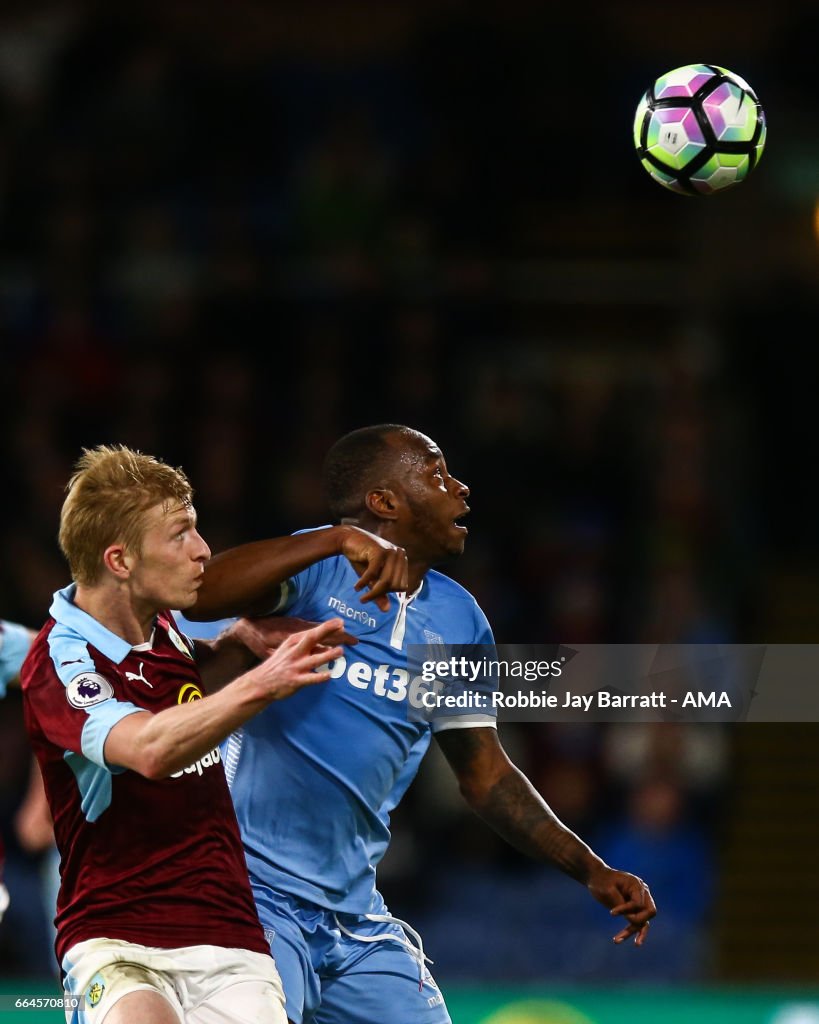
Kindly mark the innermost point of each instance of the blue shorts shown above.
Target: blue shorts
(331, 974)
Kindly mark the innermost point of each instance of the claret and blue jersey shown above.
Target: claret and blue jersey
(314, 777)
(144, 860)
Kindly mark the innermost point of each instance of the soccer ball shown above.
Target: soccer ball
(699, 129)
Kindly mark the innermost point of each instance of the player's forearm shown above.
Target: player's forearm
(245, 580)
(517, 812)
(502, 795)
(157, 745)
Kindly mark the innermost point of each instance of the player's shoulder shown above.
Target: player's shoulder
(454, 608)
(40, 642)
(40, 654)
(443, 587)
(59, 653)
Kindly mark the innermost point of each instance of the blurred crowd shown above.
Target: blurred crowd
(229, 247)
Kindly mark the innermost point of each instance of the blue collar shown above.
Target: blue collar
(64, 611)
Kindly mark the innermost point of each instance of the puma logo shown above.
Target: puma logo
(139, 678)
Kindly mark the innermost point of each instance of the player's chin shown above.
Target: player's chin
(187, 599)
(457, 541)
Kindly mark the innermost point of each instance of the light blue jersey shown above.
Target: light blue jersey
(14, 644)
(314, 777)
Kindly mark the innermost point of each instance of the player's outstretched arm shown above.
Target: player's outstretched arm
(246, 580)
(157, 745)
(502, 795)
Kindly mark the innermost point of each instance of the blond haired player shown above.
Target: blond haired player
(155, 917)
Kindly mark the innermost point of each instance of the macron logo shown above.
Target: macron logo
(347, 612)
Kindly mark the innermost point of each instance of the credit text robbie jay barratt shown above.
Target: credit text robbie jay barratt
(432, 700)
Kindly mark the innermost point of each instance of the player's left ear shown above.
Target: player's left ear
(383, 503)
(118, 561)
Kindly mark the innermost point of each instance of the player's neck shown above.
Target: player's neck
(113, 608)
(417, 565)
(416, 571)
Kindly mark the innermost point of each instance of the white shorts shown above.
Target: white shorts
(203, 984)
(4, 900)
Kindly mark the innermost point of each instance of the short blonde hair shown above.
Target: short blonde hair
(110, 492)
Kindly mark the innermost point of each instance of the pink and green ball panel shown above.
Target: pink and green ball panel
(682, 82)
(674, 136)
(731, 112)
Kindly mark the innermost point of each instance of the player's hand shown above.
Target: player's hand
(263, 635)
(381, 566)
(300, 660)
(626, 896)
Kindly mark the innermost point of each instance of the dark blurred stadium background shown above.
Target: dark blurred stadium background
(231, 232)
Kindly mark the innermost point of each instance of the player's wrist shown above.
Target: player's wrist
(251, 691)
(592, 870)
(343, 534)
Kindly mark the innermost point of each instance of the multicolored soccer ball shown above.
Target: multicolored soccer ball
(699, 129)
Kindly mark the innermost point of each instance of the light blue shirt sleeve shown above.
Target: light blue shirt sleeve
(482, 645)
(101, 720)
(15, 641)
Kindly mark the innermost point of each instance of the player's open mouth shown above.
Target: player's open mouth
(457, 521)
